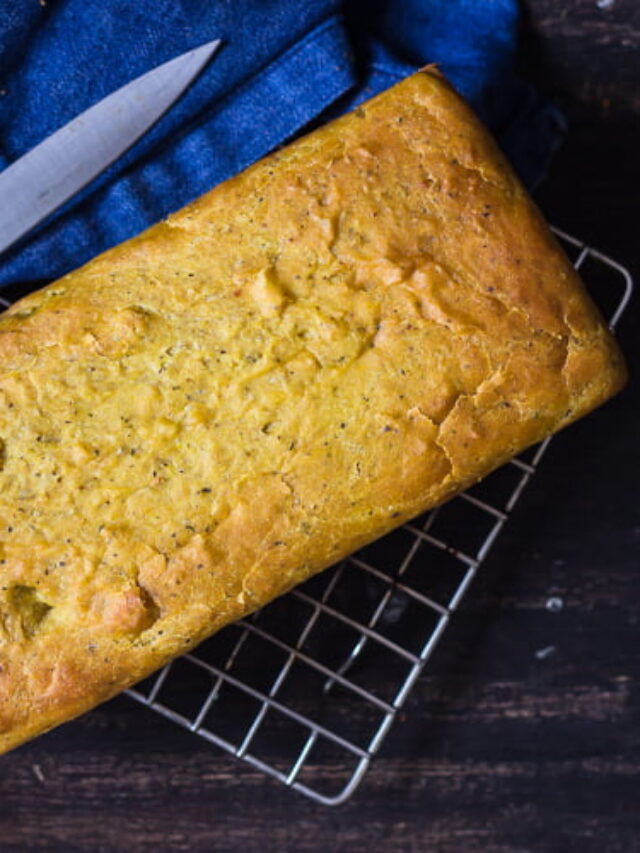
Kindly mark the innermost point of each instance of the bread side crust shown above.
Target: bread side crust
(349, 332)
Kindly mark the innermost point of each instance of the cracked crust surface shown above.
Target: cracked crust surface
(347, 333)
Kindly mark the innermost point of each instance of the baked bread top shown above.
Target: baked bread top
(345, 334)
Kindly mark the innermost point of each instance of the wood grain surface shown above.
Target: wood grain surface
(524, 734)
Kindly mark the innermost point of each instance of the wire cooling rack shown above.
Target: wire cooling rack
(307, 688)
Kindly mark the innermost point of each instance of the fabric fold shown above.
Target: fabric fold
(284, 68)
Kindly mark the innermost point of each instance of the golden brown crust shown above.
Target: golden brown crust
(349, 332)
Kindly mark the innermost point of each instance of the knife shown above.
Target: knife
(46, 177)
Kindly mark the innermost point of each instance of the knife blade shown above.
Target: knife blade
(46, 177)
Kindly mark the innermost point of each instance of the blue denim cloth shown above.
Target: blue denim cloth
(286, 65)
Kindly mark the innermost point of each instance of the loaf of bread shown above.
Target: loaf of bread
(342, 336)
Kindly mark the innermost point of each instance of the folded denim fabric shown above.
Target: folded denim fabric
(284, 67)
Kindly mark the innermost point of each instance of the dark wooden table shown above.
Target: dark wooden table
(498, 749)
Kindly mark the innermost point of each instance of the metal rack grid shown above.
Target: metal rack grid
(296, 689)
